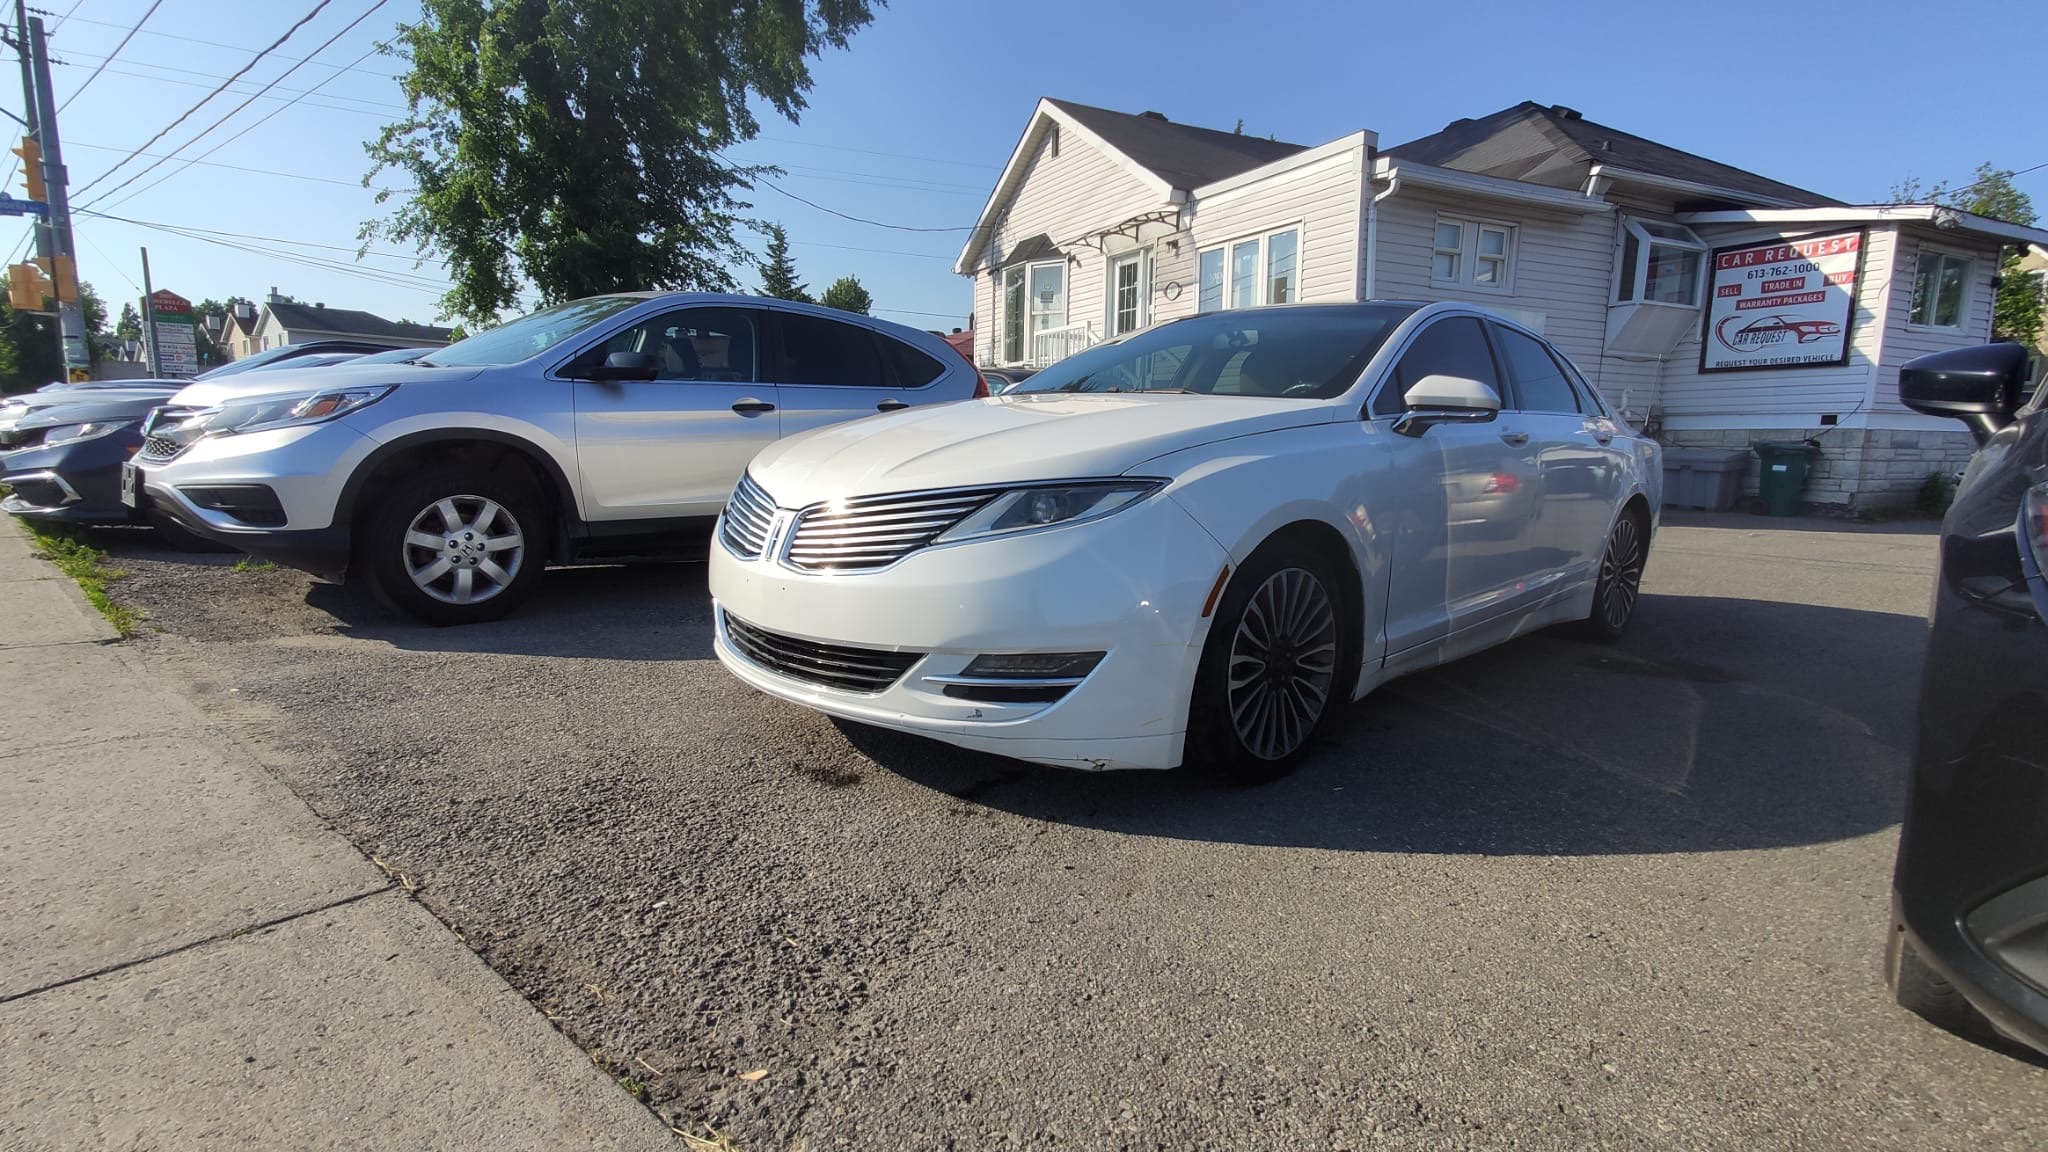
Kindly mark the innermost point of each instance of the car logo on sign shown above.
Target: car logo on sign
(1744, 334)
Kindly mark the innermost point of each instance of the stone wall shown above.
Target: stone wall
(1857, 469)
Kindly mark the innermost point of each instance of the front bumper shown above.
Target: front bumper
(79, 482)
(303, 469)
(1131, 585)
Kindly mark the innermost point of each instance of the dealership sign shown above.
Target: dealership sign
(1782, 304)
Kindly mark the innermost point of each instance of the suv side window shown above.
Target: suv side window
(819, 351)
(1540, 385)
(1453, 346)
(910, 367)
(712, 344)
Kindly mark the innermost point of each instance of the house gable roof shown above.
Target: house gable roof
(350, 322)
(1555, 145)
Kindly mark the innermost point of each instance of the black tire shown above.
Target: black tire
(1621, 578)
(1922, 991)
(503, 502)
(179, 538)
(1255, 730)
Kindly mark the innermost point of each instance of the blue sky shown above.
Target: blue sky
(912, 124)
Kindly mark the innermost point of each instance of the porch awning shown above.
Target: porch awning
(1039, 247)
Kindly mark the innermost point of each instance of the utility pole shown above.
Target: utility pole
(156, 371)
(64, 263)
(31, 122)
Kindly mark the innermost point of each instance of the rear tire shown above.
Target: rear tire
(454, 546)
(1280, 661)
(1922, 991)
(1621, 579)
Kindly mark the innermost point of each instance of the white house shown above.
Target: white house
(1711, 305)
(284, 322)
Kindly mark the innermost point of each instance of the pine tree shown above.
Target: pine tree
(778, 271)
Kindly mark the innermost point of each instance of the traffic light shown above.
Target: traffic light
(63, 277)
(31, 153)
(26, 288)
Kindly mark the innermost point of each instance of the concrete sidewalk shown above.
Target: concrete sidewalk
(189, 958)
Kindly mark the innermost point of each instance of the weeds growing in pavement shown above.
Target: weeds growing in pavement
(88, 566)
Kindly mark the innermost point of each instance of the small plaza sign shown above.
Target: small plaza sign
(1782, 303)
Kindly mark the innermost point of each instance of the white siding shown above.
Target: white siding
(1563, 269)
(1321, 198)
(1066, 197)
(1799, 393)
(1902, 339)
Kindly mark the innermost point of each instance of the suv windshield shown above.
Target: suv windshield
(530, 335)
(1312, 352)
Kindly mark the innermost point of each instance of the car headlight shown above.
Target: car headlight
(93, 430)
(1042, 506)
(262, 413)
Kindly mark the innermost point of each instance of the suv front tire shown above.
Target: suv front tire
(454, 546)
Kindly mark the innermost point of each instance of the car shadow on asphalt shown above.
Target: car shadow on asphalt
(1913, 525)
(1717, 724)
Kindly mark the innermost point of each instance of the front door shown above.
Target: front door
(1462, 498)
(674, 446)
(1127, 294)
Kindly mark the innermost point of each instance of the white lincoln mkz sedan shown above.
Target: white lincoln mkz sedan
(1192, 544)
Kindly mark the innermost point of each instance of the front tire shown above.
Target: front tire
(1280, 661)
(1621, 578)
(1922, 991)
(453, 546)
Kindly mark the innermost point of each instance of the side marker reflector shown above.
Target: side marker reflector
(1215, 592)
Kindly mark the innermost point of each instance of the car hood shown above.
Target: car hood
(279, 381)
(1018, 437)
(49, 409)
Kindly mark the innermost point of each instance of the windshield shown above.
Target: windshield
(1313, 352)
(530, 335)
(250, 363)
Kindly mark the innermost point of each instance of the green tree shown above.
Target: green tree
(2016, 312)
(129, 326)
(573, 145)
(29, 354)
(847, 295)
(778, 271)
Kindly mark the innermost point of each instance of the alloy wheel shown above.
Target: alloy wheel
(463, 549)
(1283, 661)
(1621, 573)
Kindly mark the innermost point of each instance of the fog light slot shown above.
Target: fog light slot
(253, 504)
(1018, 677)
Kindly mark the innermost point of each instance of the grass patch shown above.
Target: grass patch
(88, 566)
(252, 564)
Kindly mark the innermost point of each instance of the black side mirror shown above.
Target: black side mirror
(624, 366)
(1979, 385)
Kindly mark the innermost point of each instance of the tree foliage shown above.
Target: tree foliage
(778, 271)
(847, 295)
(129, 326)
(573, 145)
(2016, 313)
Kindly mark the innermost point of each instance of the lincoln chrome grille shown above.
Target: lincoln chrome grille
(747, 516)
(832, 665)
(876, 531)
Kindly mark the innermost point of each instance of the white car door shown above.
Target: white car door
(1578, 473)
(1463, 498)
(673, 446)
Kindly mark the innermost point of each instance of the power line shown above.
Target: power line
(80, 90)
(249, 236)
(66, 16)
(228, 47)
(876, 251)
(873, 152)
(915, 312)
(378, 105)
(235, 167)
(111, 262)
(182, 116)
(855, 219)
(230, 114)
(373, 275)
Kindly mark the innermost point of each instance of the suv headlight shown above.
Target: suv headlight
(72, 433)
(262, 413)
(1042, 506)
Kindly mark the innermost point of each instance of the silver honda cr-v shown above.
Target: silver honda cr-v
(613, 426)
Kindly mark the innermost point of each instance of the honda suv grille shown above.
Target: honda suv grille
(832, 665)
(871, 532)
(156, 447)
(747, 518)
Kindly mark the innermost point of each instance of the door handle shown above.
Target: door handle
(1516, 439)
(752, 407)
(890, 406)
(1603, 435)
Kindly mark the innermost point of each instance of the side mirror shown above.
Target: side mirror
(624, 366)
(1979, 385)
(1439, 399)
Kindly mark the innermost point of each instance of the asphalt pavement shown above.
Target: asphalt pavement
(1553, 896)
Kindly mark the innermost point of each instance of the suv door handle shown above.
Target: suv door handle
(890, 406)
(1515, 438)
(1603, 435)
(752, 407)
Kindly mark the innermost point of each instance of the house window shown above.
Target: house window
(1473, 254)
(1013, 315)
(1262, 270)
(1941, 289)
(1660, 263)
(1048, 296)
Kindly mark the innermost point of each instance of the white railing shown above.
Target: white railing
(1050, 344)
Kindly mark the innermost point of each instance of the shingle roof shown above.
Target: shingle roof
(1181, 154)
(305, 317)
(1554, 145)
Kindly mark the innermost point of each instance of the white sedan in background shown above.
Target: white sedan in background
(1192, 544)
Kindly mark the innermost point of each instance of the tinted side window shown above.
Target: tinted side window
(1539, 383)
(689, 344)
(1455, 346)
(913, 369)
(1590, 399)
(818, 351)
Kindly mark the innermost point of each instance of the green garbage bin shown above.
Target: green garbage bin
(1784, 464)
